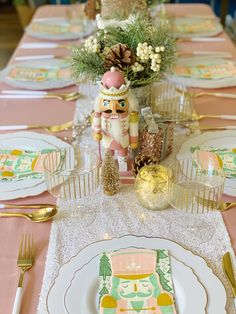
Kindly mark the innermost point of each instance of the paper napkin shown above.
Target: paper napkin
(136, 281)
(223, 158)
(17, 164)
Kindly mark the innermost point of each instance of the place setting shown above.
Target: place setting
(129, 213)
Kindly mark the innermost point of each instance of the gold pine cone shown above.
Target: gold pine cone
(119, 56)
(143, 160)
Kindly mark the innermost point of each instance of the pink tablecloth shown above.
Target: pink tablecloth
(54, 111)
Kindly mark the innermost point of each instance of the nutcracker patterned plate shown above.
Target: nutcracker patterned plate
(218, 140)
(62, 293)
(60, 28)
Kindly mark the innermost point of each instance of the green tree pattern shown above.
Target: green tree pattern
(105, 267)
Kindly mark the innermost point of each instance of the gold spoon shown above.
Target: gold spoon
(226, 205)
(40, 215)
(210, 204)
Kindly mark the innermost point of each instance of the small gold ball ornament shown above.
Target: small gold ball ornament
(151, 187)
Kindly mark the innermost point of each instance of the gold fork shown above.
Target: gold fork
(24, 262)
(195, 95)
(50, 129)
(66, 97)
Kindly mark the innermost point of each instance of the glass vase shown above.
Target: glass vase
(144, 95)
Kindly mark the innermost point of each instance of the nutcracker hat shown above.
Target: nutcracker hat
(133, 263)
(113, 92)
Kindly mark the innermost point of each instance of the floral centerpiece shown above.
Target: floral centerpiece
(143, 52)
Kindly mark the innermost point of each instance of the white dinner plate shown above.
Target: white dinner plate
(217, 139)
(185, 282)
(45, 81)
(27, 141)
(190, 27)
(195, 80)
(215, 290)
(85, 28)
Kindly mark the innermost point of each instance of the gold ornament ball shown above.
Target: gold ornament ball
(151, 187)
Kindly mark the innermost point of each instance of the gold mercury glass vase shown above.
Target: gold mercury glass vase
(121, 9)
(151, 187)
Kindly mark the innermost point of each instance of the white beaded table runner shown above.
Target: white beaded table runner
(120, 215)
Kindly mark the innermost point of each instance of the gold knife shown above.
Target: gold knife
(228, 270)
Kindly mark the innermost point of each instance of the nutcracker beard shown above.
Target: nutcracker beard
(116, 135)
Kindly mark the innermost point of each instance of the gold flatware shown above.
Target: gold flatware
(218, 54)
(50, 128)
(195, 95)
(66, 97)
(213, 204)
(39, 95)
(24, 262)
(46, 45)
(40, 215)
(200, 39)
(209, 127)
(40, 57)
(206, 17)
(229, 273)
(196, 117)
(227, 205)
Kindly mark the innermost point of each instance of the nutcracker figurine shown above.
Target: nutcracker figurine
(115, 120)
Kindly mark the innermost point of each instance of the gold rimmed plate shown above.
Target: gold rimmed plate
(206, 277)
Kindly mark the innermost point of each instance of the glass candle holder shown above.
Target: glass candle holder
(72, 175)
(171, 102)
(151, 187)
(194, 190)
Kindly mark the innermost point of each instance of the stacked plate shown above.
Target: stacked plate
(57, 28)
(219, 140)
(197, 289)
(204, 72)
(189, 27)
(33, 142)
(38, 74)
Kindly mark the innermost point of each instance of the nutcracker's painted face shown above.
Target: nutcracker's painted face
(135, 290)
(114, 106)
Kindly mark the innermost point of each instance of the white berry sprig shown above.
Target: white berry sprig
(143, 51)
(91, 44)
(156, 58)
(137, 67)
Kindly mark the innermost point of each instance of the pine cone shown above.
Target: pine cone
(143, 160)
(119, 56)
(92, 7)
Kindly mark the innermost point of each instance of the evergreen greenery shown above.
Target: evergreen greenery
(87, 64)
